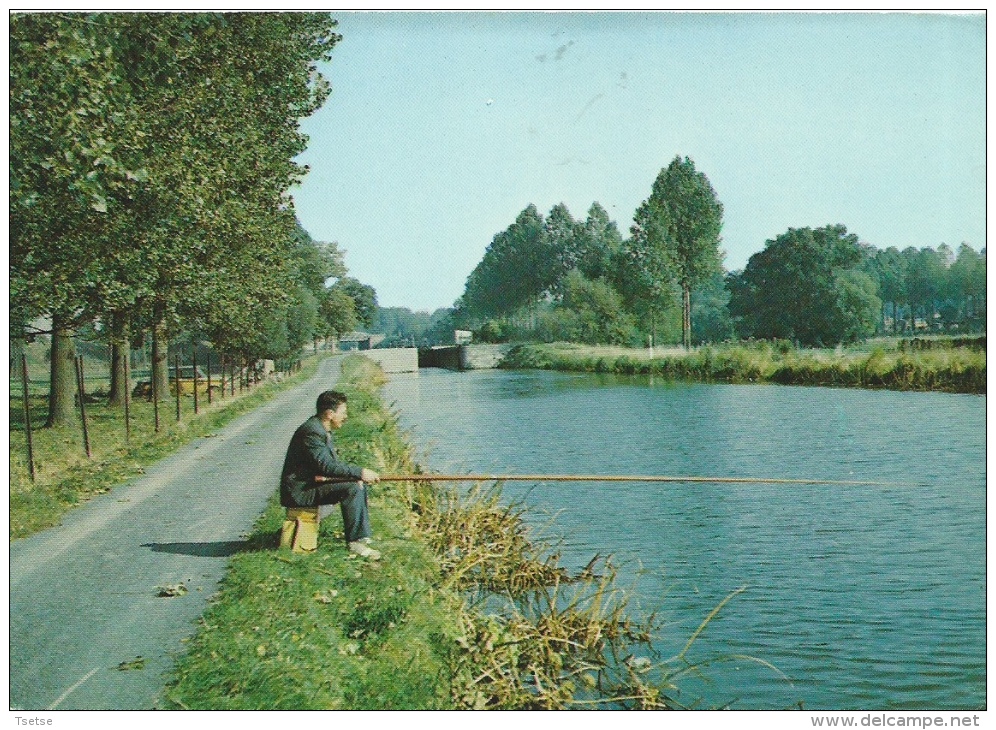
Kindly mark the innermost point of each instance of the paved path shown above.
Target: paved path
(83, 595)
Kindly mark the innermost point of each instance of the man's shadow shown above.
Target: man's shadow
(220, 549)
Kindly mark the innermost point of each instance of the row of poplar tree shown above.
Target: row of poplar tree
(151, 155)
(605, 283)
(558, 278)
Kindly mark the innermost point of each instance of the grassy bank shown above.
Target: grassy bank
(466, 610)
(326, 631)
(882, 364)
(65, 477)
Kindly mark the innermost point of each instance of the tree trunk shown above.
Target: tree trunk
(62, 386)
(120, 351)
(686, 315)
(160, 364)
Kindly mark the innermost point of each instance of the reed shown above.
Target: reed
(892, 366)
(480, 543)
(533, 635)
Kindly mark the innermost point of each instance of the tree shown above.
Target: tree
(364, 299)
(924, 283)
(515, 271)
(441, 326)
(312, 264)
(591, 312)
(401, 326)
(73, 145)
(856, 306)
(710, 312)
(644, 271)
(968, 280)
(599, 242)
(148, 149)
(562, 240)
(889, 268)
(681, 221)
(315, 262)
(303, 323)
(337, 311)
(227, 92)
(805, 286)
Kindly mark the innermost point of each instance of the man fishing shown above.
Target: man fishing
(313, 475)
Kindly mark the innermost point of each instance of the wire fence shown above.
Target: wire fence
(197, 381)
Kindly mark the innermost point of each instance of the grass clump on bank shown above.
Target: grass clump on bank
(465, 611)
(65, 477)
(885, 365)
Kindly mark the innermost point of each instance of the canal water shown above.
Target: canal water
(861, 597)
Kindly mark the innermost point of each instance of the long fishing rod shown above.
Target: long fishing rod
(606, 478)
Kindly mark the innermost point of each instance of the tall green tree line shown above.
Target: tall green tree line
(675, 238)
(150, 161)
(823, 286)
(920, 287)
(554, 277)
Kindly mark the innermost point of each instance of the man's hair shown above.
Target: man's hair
(329, 401)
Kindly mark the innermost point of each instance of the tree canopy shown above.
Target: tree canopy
(806, 286)
(675, 236)
(151, 160)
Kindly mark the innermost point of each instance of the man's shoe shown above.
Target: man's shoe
(363, 551)
(366, 540)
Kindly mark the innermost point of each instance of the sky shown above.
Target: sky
(442, 127)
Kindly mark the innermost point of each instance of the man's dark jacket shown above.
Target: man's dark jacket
(311, 453)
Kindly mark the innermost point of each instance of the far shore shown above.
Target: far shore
(936, 364)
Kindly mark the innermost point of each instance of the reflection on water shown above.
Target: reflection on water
(865, 598)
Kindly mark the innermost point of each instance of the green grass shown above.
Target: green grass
(882, 364)
(327, 630)
(65, 477)
(321, 631)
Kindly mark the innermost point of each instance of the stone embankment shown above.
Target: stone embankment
(394, 359)
(463, 357)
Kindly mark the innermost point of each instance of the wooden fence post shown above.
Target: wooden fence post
(209, 377)
(27, 414)
(194, 360)
(81, 391)
(155, 395)
(176, 376)
(222, 377)
(127, 395)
